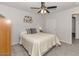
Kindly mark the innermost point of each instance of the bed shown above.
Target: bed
(39, 43)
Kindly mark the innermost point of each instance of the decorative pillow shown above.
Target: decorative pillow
(28, 31)
(33, 30)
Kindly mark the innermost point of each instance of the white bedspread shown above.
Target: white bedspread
(37, 44)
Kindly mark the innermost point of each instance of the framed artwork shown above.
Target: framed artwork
(28, 19)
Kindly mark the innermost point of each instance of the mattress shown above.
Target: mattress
(39, 43)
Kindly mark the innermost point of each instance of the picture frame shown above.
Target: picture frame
(28, 19)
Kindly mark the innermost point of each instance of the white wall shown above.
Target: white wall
(60, 23)
(50, 23)
(16, 16)
(63, 26)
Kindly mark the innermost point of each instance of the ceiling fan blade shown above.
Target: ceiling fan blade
(35, 7)
(39, 11)
(47, 11)
(51, 7)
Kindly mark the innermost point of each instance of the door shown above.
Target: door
(5, 38)
(73, 28)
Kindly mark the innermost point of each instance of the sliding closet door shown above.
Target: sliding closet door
(5, 38)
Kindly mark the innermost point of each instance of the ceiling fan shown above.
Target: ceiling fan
(43, 9)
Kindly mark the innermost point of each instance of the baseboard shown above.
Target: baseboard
(65, 42)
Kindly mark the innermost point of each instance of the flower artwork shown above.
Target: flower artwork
(28, 19)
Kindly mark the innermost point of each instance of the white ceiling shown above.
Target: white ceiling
(27, 5)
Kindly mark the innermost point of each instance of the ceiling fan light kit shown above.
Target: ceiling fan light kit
(43, 8)
(42, 11)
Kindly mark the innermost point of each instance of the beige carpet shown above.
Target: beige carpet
(64, 50)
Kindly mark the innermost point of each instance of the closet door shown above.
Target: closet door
(5, 38)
